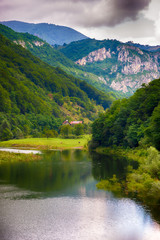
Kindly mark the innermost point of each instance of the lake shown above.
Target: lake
(56, 199)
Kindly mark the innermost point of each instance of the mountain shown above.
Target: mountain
(35, 95)
(120, 66)
(51, 33)
(50, 55)
(145, 47)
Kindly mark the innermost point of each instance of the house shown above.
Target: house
(72, 123)
(65, 122)
(75, 122)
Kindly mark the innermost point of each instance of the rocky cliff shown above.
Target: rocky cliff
(95, 56)
(124, 68)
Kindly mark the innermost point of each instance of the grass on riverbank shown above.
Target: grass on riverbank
(136, 154)
(47, 143)
(143, 182)
(19, 157)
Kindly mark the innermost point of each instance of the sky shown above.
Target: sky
(124, 20)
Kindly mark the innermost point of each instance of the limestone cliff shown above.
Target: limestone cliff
(95, 56)
(124, 69)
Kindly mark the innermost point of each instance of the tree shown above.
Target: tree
(78, 129)
(131, 137)
(65, 130)
(50, 133)
(154, 128)
(5, 131)
(18, 133)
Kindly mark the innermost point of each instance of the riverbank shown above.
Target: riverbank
(143, 182)
(136, 154)
(18, 157)
(47, 143)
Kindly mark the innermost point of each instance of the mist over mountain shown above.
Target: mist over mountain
(51, 33)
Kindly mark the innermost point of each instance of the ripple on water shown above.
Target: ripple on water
(76, 218)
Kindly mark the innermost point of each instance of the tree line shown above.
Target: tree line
(131, 122)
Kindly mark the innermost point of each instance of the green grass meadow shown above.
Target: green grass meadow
(47, 143)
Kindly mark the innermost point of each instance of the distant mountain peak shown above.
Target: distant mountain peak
(51, 33)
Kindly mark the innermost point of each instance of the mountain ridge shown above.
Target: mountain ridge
(120, 66)
(51, 33)
(35, 96)
(52, 56)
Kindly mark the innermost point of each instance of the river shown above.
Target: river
(56, 199)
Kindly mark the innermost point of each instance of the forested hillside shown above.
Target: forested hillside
(50, 55)
(131, 122)
(35, 96)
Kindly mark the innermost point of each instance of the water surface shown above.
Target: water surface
(56, 198)
(14, 150)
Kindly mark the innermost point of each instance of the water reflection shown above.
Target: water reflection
(104, 166)
(58, 171)
(12, 150)
(65, 203)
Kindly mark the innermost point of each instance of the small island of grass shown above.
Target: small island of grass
(47, 143)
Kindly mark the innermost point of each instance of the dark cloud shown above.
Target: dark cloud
(80, 13)
(131, 5)
(108, 18)
(128, 9)
(113, 12)
(88, 13)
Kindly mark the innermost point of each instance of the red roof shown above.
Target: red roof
(65, 122)
(75, 122)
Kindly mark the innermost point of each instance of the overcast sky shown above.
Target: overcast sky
(125, 20)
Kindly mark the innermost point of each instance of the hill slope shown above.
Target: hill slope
(132, 121)
(51, 33)
(55, 58)
(120, 66)
(35, 95)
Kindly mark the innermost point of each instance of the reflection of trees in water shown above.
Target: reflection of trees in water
(57, 171)
(105, 166)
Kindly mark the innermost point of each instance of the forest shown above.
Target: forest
(131, 122)
(56, 58)
(36, 97)
(131, 129)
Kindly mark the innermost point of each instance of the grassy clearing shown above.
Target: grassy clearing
(19, 157)
(50, 143)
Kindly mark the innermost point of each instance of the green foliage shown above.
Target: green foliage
(20, 64)
(50, 133)
(129, 121)
(142, 182)
(5, 131)
(55, 58)
(6, 134)
(77, 50)
(66, 130)
(17, 133)
(58, 99)
(110, 185)
(153, 131)
(35, 96)
(78, 129)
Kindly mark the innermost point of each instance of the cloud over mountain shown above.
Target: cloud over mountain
(84, 12)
